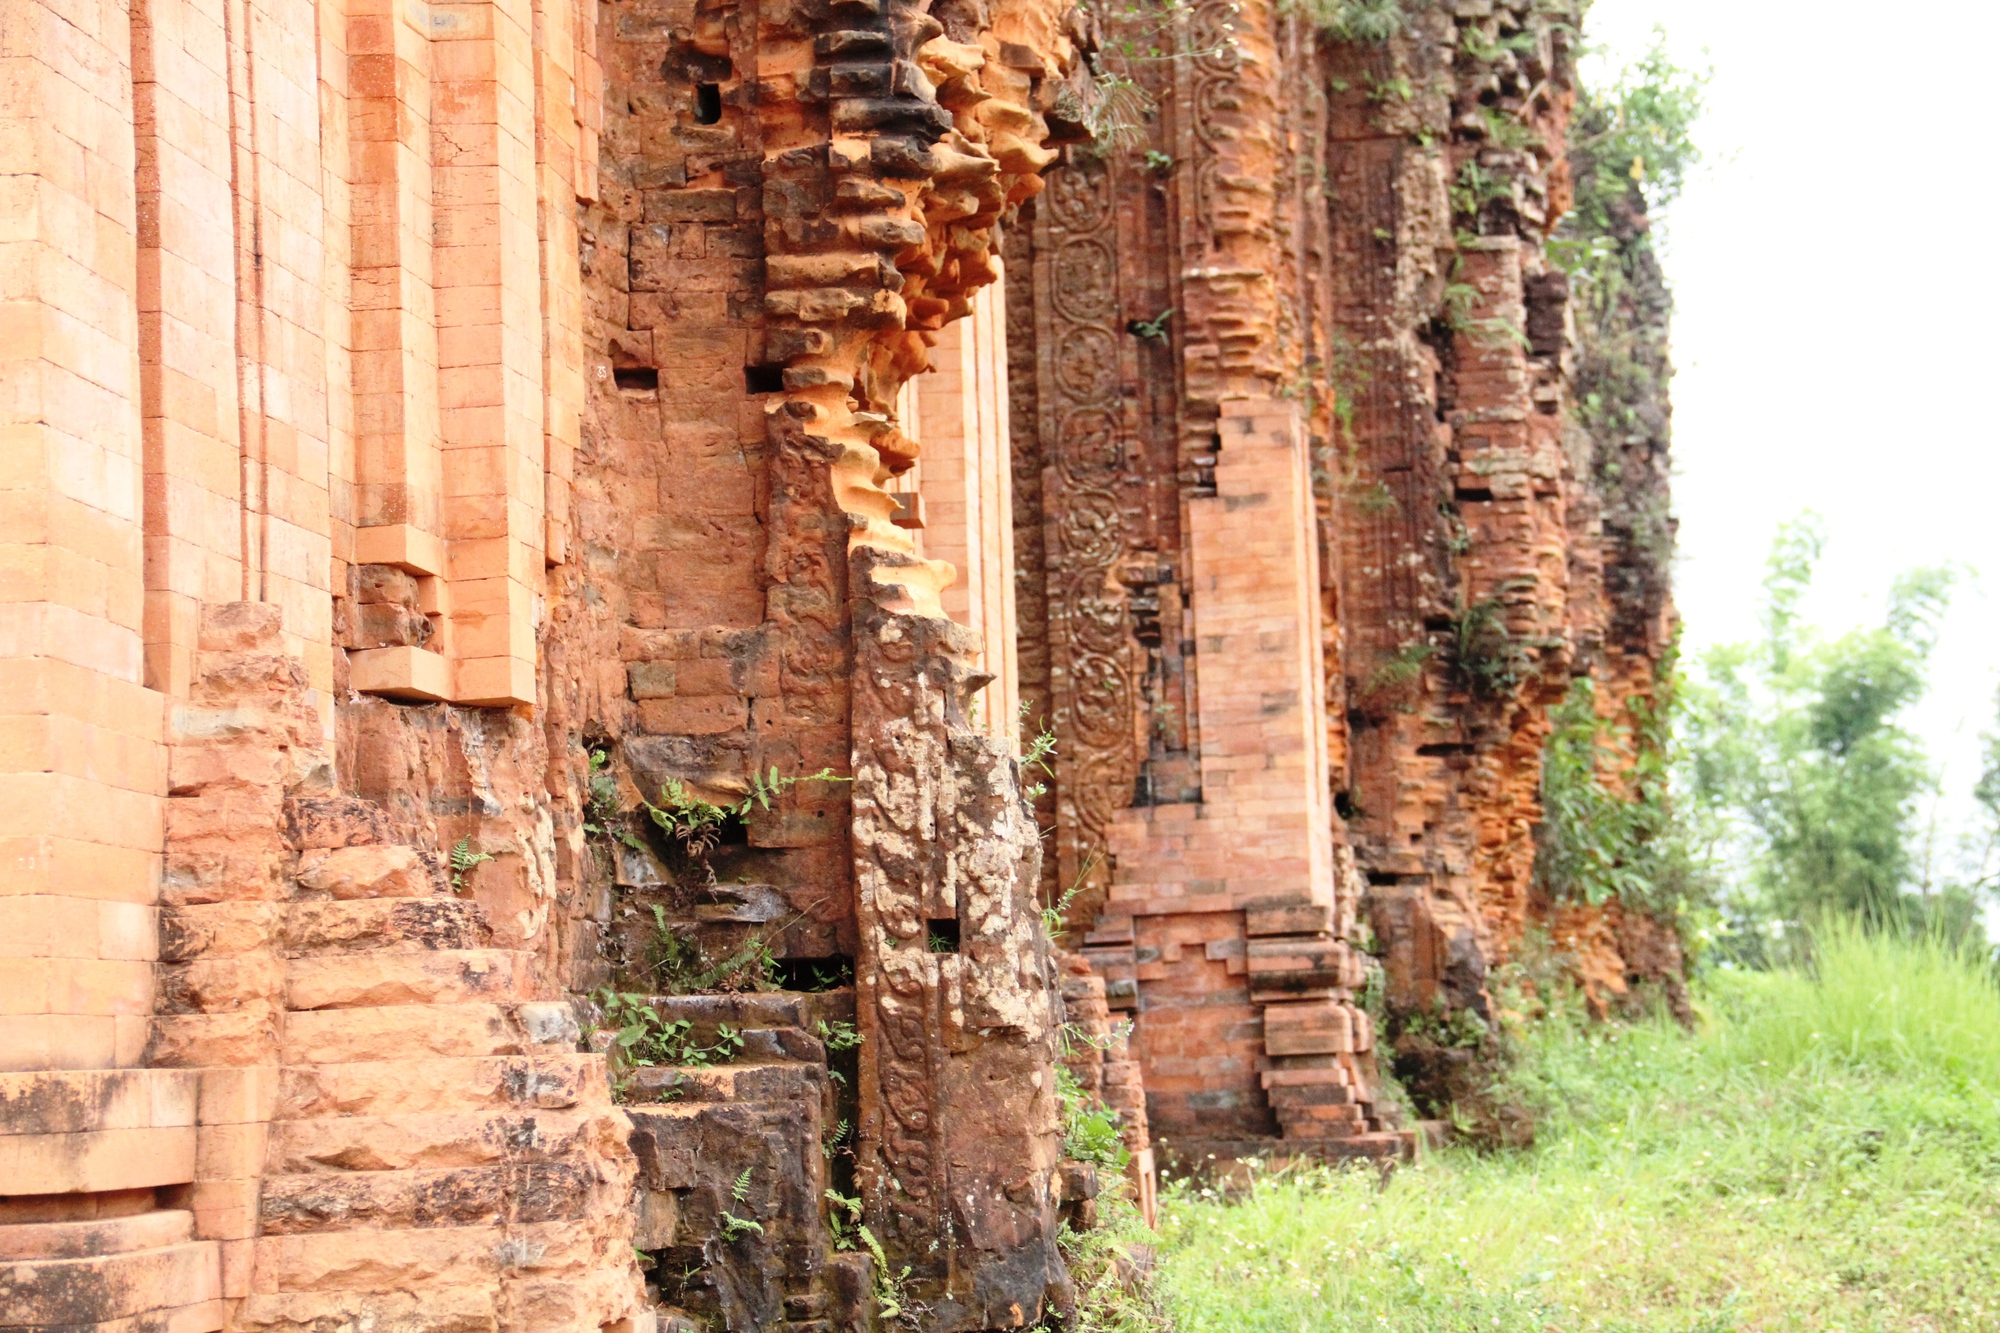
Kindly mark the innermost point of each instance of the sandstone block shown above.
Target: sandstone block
(366, 872)
(405, 1031)
(238, 1096)
(79, 1101)
(436, 1142)
(82, 1240)
(549, 1023)
(336, 821)
(395, 1200)
(218, 985)
(219, 929)
(97, 1159)
(446, 976)
(247, 1036)
(544, 1079)
(437, 1309)
(656, 1218)
(386, 923)
(378, 1261)
(87, 1291)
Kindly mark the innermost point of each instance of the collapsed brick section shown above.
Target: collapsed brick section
(393, 1126)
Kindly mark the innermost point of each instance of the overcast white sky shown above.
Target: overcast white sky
(1836, 321)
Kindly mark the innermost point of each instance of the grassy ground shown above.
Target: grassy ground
(1824, 1154)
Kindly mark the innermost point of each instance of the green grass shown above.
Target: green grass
(1824, 1154)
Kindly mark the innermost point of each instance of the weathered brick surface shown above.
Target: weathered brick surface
(1307, 559)
(434, 430)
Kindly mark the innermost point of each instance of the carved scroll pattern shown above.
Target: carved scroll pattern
(1091, 671)
(899, 774)
(1210, 81)
(958, 1128)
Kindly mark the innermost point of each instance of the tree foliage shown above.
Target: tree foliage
(1635, 140)
(1800, 760)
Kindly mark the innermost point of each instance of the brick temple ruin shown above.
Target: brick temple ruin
(435, 432)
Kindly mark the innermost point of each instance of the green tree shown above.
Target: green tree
(1978, 870)
(1798, 752)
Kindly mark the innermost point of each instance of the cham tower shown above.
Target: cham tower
(545, 544)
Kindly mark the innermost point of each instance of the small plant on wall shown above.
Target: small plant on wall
(697, 825)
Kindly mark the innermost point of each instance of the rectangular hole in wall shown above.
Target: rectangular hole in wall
(764, 379)
(707, 103)
(637, 379)
(942, 934)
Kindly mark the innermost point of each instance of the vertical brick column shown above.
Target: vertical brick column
(966, 479)
(488, 267)
(1255, 581)
(467, 360)
(82, 773)
(282, 343)
(187, 327)
(562, 104)
(987, 384)
(398, 474)
(1224, 917)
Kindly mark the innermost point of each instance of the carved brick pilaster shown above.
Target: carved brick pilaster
(954, 983)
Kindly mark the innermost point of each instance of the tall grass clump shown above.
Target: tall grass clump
(1822, 1153)
(1920, 1004)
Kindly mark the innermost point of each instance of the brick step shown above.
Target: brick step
(96, 1236)
(1332, 1113)
(1372, 1145)
(89, 1291)
(1314, 1094)
(547, 1079)
(422, 1259)
(1386, 1143)
(401, 1031)
(702, 1084)
(440, 1309)
(759, 1046)
(367, 872)
(1304, 1075)
(366, 924)
(757, 1009)
(442, 976)
(1313, 1069)
(1316, 1133)
(782, 1044)
(422, 1199)
(433, 1142)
